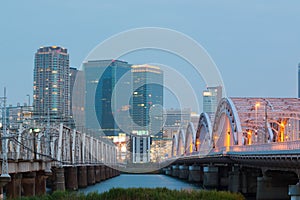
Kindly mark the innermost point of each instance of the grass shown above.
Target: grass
(141, 194)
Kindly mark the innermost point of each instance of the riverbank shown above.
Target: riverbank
(141, 193)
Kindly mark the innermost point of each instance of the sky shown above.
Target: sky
(255, 44)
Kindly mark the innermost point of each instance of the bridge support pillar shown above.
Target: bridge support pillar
(211, 177)
(183, 172)
(98, 174)
(91, 175)
(195, 173)
(14, 187)
(175, 170)
(107, 172)
(114, 172)
(71, 177)
(40, 183)
(111, 172)
(248, 178)
(28, 184)
(82, 177)
(294, 191)
(102, 172)
(270, 189)
(168, 171)
(234, 180)
(224, 177)
(59, 176)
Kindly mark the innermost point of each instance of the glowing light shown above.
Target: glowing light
(257, 104)
(207, 94)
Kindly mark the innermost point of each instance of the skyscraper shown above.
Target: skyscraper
(77, 92)
(101, 76)
(147, 84)
(51, 87)
(211, 98)
(146, 109)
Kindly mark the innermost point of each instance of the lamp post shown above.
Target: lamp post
(257, 105)
(267, 103)
(266, 122)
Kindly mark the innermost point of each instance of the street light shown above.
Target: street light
(257, 105)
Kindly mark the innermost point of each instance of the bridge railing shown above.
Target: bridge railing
(261, 148)
(61, 145)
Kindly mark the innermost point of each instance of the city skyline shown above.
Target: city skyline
(254, 44)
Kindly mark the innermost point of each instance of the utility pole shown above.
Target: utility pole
(5, 177)
(48, 140)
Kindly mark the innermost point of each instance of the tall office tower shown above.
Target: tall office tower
(101, 76)
(146, 109)
(51, 87)
(211, 99)
(299, 80)
(77, 92)
(73, 75)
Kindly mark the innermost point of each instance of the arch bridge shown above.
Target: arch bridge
(249, 137)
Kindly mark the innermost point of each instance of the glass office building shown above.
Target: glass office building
(146, 109)
(101, 76)
(211, 99)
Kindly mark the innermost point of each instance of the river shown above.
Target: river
(140, 180)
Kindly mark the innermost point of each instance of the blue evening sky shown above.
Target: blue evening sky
(255, 44)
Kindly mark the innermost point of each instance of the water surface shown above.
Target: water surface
(140, 180)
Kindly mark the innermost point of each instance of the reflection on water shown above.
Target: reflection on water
(140, 180)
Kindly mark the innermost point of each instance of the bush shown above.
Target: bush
(142, 194)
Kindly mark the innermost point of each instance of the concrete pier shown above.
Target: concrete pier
(195, 173)
(14, 187)
(71, 176)
(91, 178)
(175, 170)
(98, 174)
(234, 180)
(102, 172)
(210, 177)
(40, 183)
(270, 189)
(82, 177)
(28, 184)
(59, 174)
(294, 191)
(183, 172)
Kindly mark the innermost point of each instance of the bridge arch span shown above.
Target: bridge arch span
(181, 142)
(190, 138)
(203, 140)
(227, 130)
(174, 145)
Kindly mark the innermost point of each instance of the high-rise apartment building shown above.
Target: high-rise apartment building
(211, 99)
(51, 87)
